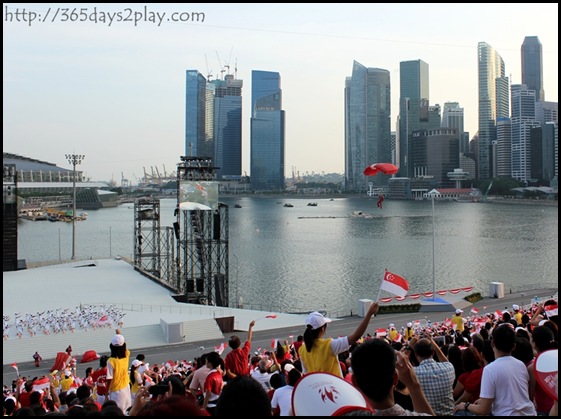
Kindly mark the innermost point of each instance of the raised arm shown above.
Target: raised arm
(359, 332)
(250, 331)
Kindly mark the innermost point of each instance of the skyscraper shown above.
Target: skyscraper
(267, 134)
(228, 126)
(453, 117)
(532, 66)
(367, 125)
(414, 111)
(197, 122)
(522, 121)
(493, 104)
(213, 121)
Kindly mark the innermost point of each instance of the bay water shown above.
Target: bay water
(304, 258)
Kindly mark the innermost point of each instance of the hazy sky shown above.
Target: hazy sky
(116, 92)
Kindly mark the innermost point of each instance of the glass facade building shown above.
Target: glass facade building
(523, 119)
(267, 132)
(532, 66)
(415, 114)
(196, 124)
(228, 126)
(493, 104)
(367, 125)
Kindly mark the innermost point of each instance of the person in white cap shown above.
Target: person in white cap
(117, 378)
(321, 354)
(458, 321)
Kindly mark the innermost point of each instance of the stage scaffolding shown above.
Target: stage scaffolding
(190, 258)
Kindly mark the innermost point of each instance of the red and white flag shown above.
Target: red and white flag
(274, 343)
(551, 310)
(220, 348)
(41, 384)
(15, 366)
(271, 316)
(381, 333)
(394, 284)
(474, 310)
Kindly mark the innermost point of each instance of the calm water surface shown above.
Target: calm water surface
(304, 258)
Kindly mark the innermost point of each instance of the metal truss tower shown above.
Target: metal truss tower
(202, 232)
(154, 246)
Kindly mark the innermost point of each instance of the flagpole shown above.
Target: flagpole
(433, 262)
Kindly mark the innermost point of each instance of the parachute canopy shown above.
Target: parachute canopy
(385, 168)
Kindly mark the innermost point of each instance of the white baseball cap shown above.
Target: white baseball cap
(515, 307)
(316, 320)
(324, 394)
(118, 340)
(458, 311)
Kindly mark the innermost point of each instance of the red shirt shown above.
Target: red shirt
(99, 377)
(472, 383)
(237, 360)
(214, 383)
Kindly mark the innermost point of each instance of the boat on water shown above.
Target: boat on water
(287, 205)
(33, 214)
(237, 206)
(54, 214)
(312, 204)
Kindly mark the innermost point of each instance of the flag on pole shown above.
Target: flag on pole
(474, 310)
(15, 366)
(394, 284)
(271, 316)
(274, 343)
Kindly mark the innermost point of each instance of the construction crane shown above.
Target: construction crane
(124, 182)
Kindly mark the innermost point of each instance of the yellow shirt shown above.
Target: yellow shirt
(321, 358)
(121, 377)
(66, 383)
(409, 333)
(518, 317)
(459, 322)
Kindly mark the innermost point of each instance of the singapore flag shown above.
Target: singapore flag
(395, 284)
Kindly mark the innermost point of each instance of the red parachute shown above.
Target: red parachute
(385, 168)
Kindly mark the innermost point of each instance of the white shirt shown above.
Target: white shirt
(505, 380)
(282, 398)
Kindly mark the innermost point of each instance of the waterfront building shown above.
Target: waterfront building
(532, 66)
(367, 125)
(198, 115)
(55, 184)
(453, 117)
(415, 114)
(267, 132)
(228, 126)
(435, 154)
(503, 149)
(493, 104)
(523, 119)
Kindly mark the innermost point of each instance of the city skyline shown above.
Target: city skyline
(117, 93)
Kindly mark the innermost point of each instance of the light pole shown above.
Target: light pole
(74, 160)
(433, 195)
(237, 282)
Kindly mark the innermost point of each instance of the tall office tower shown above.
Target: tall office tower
(435, 154)
(228, 126)
(532, 66)
(547, 112)
(523, 119)
(198, 115)
(503, 149)
(453, 117)
(493, 104)
(267, 133)
(414, 111)
(367, 125)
